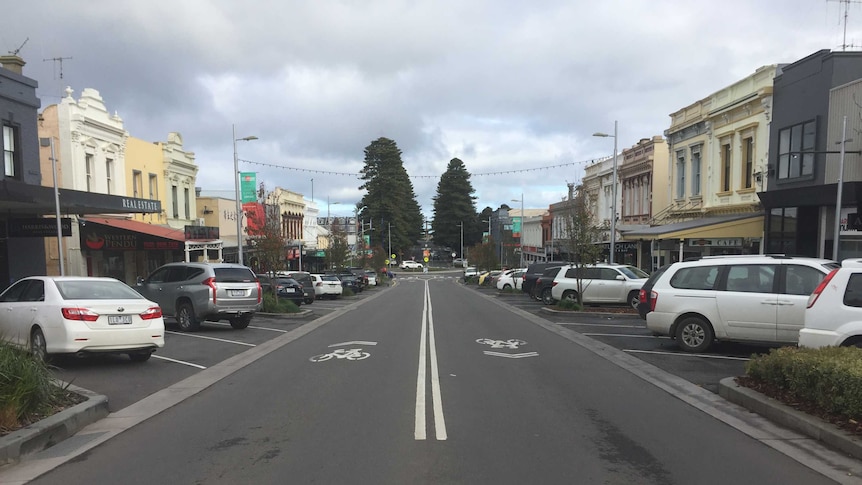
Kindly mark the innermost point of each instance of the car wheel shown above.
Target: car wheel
(507, 286)
(140, 356)
(38, 345)
(547, 298)
(694, 334)
(309, 301)
(186, 318)
(634, 300)
(570, 295)
(240, 323)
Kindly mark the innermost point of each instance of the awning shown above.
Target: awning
(142, 227)
(21, 199)
(100, 233)
(730, 226)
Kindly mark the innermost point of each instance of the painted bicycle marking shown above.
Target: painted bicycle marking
(346, 354)
(511, 343)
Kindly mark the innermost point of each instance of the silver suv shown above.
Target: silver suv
(195, 292)
(600, 283)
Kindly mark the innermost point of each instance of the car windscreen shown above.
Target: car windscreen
(329, 278)
(234, 275)
(96, 290)
(633, 272)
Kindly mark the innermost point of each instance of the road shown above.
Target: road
(430, 382)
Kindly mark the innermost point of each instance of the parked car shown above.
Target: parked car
(371, 277)
(486, 276)
(78, 315)
(645, 294)
(361, 275)
(349, 280)
(533, 273)
(304, 279)
(599, 283)
(470, 272)
(411, 265)
(290, 289)
(543, 284)
(326, 286)
(459, 263)
(755, 299)
(197, 292)
(833, 316)
(510, 279)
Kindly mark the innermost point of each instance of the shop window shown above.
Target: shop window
(137, 184)
(11, 155)
(796, 150)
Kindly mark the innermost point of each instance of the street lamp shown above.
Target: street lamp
(238, 198)
(50, 142)
(521, 232)
(328, 222)
(461, 254)
(614, 201)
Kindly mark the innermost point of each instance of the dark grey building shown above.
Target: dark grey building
(810, 99)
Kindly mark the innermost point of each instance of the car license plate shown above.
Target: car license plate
(288, 290)
(236, 292)
(119, 319)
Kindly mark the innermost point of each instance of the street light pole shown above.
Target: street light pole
(56, 204)
(614, 194)
(521, 232)
(838, 199)
(461, 254)
(236, 177)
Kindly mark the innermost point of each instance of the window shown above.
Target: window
(680, 174)
(751, 278)
(747, 162)
(154, 187)
(695, 172)
(801, 280)
(796, 150)
(853, 292)
(10, 151)
(109, 172)
(186, 202)
(175, 202)
(137, 184)
(695, 278)
(88, 162)
(725, 167)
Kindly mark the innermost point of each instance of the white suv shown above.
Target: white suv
(411, 265)
(600, 283)
(834, 313)
(757, 298)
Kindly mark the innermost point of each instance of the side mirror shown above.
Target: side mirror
(139, 280)
(620, 277)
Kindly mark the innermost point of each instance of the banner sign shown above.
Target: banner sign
(39, 227)
(97, 237)
(248, 186)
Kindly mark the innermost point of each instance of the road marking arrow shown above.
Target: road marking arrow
(354, 342)
(511, 356)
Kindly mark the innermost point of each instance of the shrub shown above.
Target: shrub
(347, 292)
(282, 305)
(569, 305)
(829, 378)
(27, 388)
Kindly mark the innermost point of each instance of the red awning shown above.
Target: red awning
(142, 227)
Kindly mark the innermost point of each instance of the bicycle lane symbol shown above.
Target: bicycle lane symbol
(511, 343)
(344, 354)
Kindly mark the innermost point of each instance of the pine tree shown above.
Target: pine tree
(454, 205)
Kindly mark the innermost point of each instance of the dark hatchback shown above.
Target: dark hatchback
(284, 288)
(304, 279)
(350, 281)
(645, 303)
(533, 273)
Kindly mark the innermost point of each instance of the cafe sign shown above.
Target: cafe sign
(721, 242)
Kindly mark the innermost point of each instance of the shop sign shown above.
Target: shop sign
(722, 242)
(39, 227)
(851, 222)
(96, 237)
(202, 233)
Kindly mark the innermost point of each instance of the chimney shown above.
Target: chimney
(13, 63)
(571, 191)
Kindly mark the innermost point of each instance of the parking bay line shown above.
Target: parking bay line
(178, 361)
(212, 338)
(684, 354)
(601, 325)
(623, 335)
(255, 327)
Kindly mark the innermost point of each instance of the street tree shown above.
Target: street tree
(454, 205)
(581, 235)
(337, 254)
(265, 231)
(389, 202)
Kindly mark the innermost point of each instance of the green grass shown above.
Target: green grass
(28, 390)
(270, 305)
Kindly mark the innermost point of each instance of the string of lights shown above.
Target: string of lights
(483, 174)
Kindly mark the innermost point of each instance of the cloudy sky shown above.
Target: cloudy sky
(514, 89)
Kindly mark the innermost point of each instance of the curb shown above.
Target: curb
(52, 430)
(298, 314)
(784, 415)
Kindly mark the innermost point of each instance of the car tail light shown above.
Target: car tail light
(77, 313)
(319, 283)
(653, 298)
(642, 295)
(259, 292)
(151, 313)
(822, 286)
(553, 283)
(212, 284)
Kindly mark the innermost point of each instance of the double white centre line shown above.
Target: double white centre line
(427, 336)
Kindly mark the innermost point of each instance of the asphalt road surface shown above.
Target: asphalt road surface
(429, 382)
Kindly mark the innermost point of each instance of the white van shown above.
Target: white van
(758, 298)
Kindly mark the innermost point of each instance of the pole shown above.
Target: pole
(57, 211)
(461, 254)
(613, 248)
(521, 237)
(238, 199)
(390, 239)
(838, 198)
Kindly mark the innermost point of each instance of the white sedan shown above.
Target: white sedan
(79, 315)
(510, 279)
(411, 265)
(326, 286)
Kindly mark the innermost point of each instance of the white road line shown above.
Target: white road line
(178, 361)
(427, 335)
(601, 325)
(623, 335)
(682, 354)
(279, 330)
(212, 338)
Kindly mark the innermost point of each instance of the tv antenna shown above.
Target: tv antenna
(16, 51)
(846, 7)
(56, 60)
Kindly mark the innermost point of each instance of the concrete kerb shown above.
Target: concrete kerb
(789, 417)
(53, 429)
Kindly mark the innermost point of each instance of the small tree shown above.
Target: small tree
(337, 253)
(266, 231)
(581, 236)
(482, 256)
